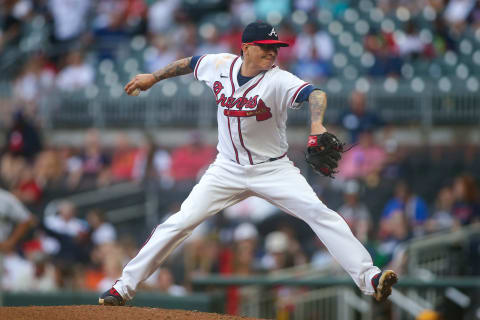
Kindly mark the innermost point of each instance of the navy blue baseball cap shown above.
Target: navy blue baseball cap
(262, 33)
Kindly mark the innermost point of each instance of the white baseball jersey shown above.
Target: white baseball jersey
(251, 118)
(12, 212)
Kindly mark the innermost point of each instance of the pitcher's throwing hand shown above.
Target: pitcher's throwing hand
(141, 82)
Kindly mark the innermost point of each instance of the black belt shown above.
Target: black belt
(269, 160)
(273, 159)
(277, 158)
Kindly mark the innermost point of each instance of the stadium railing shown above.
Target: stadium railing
(184, 102)
(433, 282)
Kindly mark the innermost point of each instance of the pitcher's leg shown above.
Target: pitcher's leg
(208, 197)
(289, 190)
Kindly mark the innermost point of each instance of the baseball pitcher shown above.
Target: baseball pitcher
(252, 97)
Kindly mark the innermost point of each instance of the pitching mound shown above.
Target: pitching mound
(101, 312)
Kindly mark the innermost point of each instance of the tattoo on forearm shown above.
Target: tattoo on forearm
(177, 68)
(318, 105)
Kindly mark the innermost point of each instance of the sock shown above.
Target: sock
(375, 280)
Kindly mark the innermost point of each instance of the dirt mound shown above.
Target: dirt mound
(101, 312)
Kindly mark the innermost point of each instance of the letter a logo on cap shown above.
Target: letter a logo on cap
(273, 33)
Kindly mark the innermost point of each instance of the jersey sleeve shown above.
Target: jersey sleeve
(290, 87)
(305, 93)
(208, 66)
(18, 212)
(193, 62)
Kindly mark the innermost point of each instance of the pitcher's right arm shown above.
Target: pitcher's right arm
(146, 80)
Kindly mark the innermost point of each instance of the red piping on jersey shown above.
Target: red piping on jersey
(238, 119)
(228, 118)
(298, 91)
(254, 85)
(241, 141)
(196, 66)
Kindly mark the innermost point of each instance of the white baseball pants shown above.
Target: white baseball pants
(226, 183)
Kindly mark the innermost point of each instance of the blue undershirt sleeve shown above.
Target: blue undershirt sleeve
(193, 62)
(305, 93)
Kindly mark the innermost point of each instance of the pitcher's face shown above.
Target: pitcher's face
(261, 55)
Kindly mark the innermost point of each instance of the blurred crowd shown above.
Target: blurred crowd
(56, 44)
(387, 193)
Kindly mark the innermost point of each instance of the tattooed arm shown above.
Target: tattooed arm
(146, 81)
(318, 105)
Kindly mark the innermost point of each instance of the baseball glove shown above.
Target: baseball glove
(324, 151)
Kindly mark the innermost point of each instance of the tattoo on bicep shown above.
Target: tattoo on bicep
(318, 105)
(177, 68)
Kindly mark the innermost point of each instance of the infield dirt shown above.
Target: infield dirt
(102, 312)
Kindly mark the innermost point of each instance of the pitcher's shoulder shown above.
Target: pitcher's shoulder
(223, 58)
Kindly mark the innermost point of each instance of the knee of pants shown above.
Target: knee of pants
(185, 223)
(320, 211)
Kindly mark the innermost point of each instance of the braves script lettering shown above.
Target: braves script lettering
(262, 112)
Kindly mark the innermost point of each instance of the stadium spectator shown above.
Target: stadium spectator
(412, 206)
(410, 45)
(245, 239)
(68, 21)
(355, 213)
(189, 160)
(92, 166)
(201, 256)
(40, 273)
(465, 208)
(161, 15)
(322, 260)
(185, 38)
(253, 209)
(15, 222)
(152, 163)
(76, 74)
(364, 160)
(456, 14)
(210, 41)
(27, 189)
(49, 169)
(358, 118)
(443, 41)
(70, 233)
(165, 284)
(101, 231)
(162, 53)
(314, 50)
(114, 23)
(394, 233)
(474, 16)
(11, 170)
(10, 24)
(442, 219)
(65, 221)
(233, 37)
(277, 255)
(23, 138)
(112, 264)
(123, 158)
(383, 47)
(35, 80)
(287, 56)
